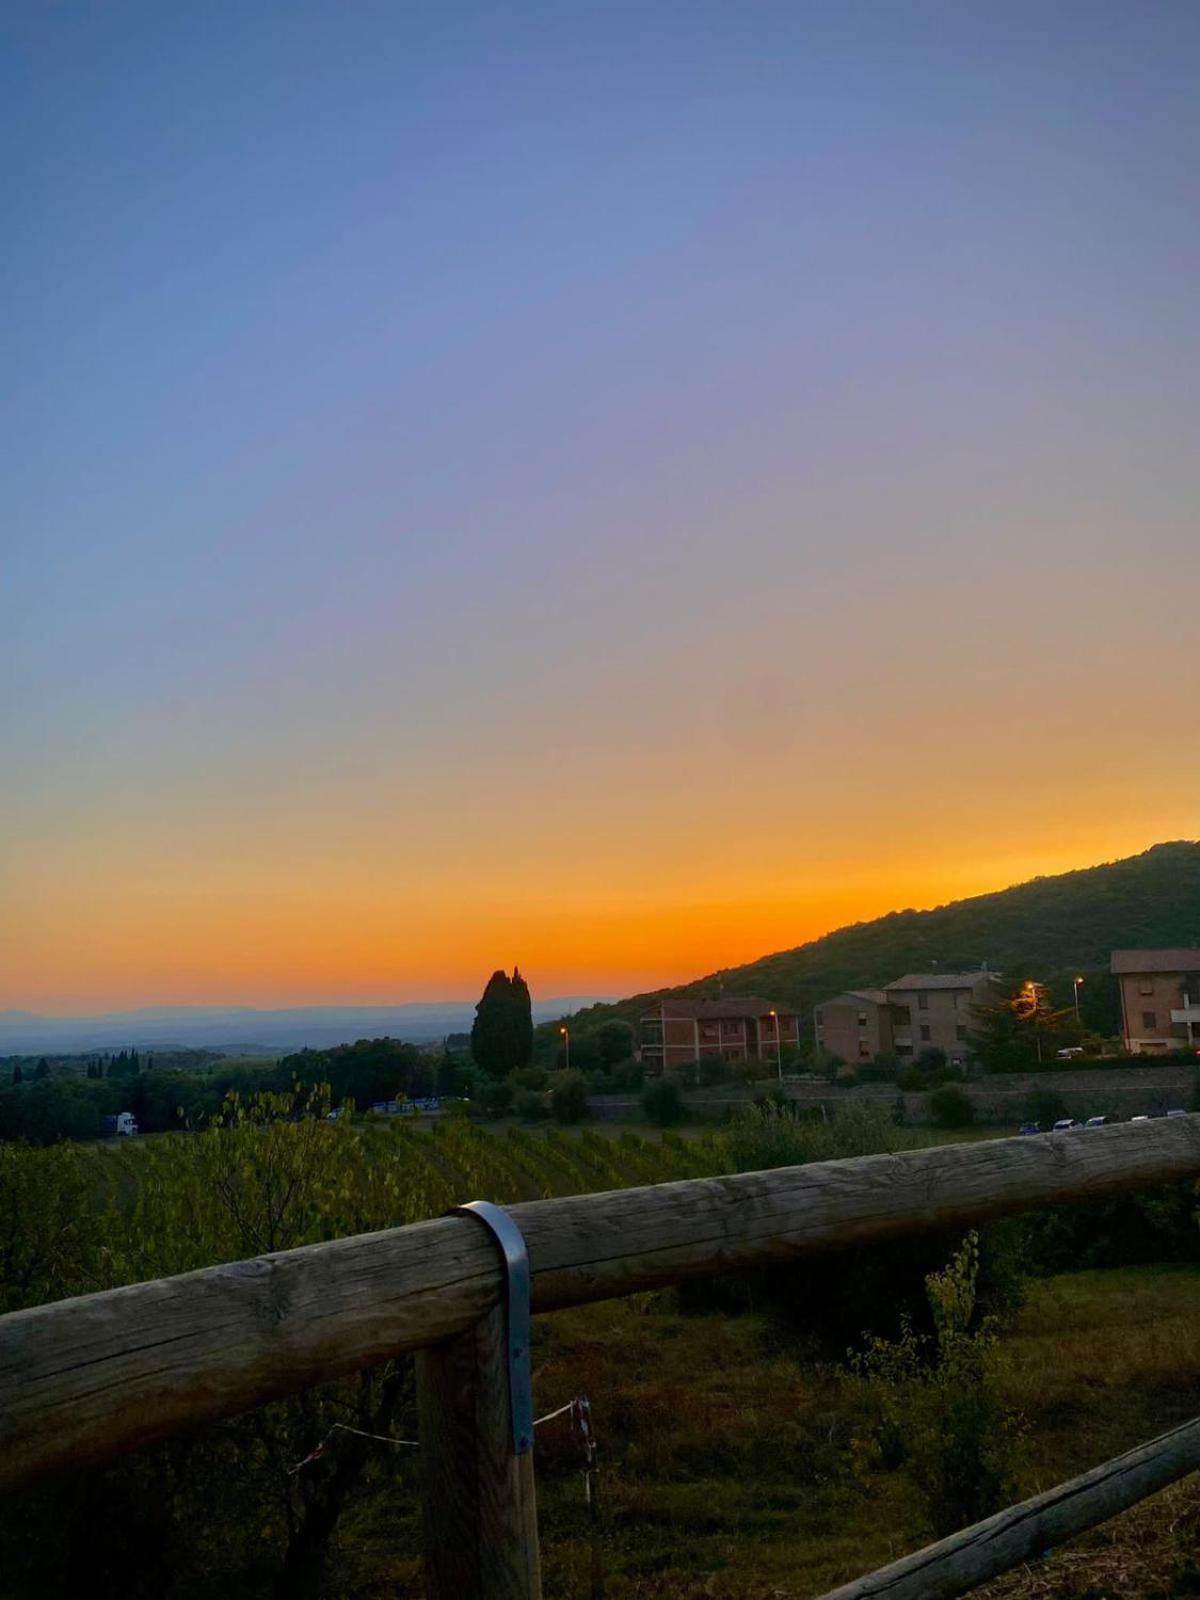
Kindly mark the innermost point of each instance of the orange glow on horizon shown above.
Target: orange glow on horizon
(361, 947)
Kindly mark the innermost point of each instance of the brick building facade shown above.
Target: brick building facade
(740, 1028)
(1160, 999)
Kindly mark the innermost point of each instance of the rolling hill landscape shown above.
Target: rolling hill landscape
(1053, 928)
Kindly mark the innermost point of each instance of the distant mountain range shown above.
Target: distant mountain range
(1054, 927)
(245, 1028)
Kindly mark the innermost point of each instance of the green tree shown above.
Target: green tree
(1021, 1030)
(42, 1070)
(568, 1096)
(18, 1075)
(502, 1033)
(614, 1043)
(663, 1102)
(950, 1108)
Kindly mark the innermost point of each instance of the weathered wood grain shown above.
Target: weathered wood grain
(83, 1379)
(1027, 1531)
(480, 1506)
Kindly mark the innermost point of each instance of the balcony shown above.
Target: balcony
(1187, 1013)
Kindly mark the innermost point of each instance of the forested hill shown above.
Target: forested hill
(1052, 928)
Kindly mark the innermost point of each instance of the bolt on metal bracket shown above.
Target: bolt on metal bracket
(518, 1319)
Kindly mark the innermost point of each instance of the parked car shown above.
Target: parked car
(1030, 1127)
(1177, 1111)
(1095, 1122)
(1064, 1125)
(1141, 1117)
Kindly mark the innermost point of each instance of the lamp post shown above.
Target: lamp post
(1032, 997)
(778, 1044)
(1075, 982)
(566, 1039)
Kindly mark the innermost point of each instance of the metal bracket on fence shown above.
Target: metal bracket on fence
(517, 1290)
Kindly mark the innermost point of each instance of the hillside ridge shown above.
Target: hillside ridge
(1055, 925)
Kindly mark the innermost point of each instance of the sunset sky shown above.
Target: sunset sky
(617, 487)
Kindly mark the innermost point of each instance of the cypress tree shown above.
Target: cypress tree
(522, 1020)
(17, 1073)
(502, 1033)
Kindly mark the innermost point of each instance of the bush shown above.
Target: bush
(686, 1074)
(713, 1070)
(1045, 1106)
(530, 1106)
(496, 1097)
(627, 1075)
(663, 1103)
(529, 1078)
(950, 1108)
(932, 1405)
(884, 1069)
(569, 1097)
(772, 1135)
(774, 1094)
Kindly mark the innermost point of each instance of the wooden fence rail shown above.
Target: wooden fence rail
(84, 1379)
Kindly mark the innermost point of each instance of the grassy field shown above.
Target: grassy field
(728, 1470)
(730, 1462)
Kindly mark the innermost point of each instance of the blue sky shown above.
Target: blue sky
(633, 434)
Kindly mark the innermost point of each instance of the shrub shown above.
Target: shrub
(772, 1135)
(1043, 1105)
(687, 1074)
(496, 1097)
(713, 1070)
(932, 1403)
(663, 1102)
(530, 1106)
(569, 1097)
(529, 1078)
(774, 1094)
(884, 1069)
(628, 1074)
(950, 1108)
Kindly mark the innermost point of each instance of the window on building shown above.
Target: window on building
(1145, 985)
(925, 1032)
(864, 1052)
(708, 1030)
(862, 1019)
(819, 1018)
(1149, 1019)
(922, 1002)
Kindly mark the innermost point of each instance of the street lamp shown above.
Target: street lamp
(566, 1039)
(778, 1043)
(1075, 982)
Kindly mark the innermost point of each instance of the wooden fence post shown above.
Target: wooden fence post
(481, 1539)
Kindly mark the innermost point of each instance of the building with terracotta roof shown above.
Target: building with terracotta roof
(1160, 999)
(738, 1027)
(921, 1011)
(855, 1025)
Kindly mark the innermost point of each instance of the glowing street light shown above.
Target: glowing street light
(566, 1039)
(1075, 982)
(778, 1043)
